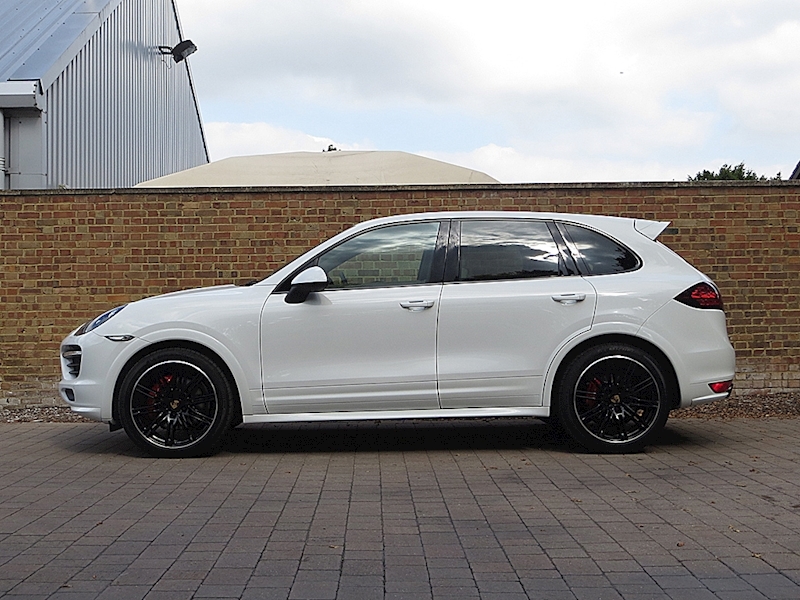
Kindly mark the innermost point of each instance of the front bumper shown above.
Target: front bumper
(90, 370)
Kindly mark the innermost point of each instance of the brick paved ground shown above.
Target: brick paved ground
(403, 510)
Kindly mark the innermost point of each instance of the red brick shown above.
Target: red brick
(75, 254)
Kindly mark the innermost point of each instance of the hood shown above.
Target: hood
(192, 292)
(187, 308)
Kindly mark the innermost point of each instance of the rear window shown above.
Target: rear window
(601, 255)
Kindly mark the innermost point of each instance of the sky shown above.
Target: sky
(523, 90)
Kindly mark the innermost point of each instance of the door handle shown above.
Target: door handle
(416, 305)
(569, 298)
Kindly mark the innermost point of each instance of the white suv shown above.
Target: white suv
(585, 320)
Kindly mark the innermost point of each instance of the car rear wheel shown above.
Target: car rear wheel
(613, 398)
(176, 403)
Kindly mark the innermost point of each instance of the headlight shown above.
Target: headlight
(94, 324)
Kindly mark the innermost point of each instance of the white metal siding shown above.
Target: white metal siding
(121, 113)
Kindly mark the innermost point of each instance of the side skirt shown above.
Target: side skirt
(446, 413)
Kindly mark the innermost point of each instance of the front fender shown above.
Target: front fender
(243, 365)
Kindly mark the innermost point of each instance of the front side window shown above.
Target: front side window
(493, 250)
(395, 255)
(601, 255)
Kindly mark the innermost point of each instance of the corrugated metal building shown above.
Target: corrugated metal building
(87, 99)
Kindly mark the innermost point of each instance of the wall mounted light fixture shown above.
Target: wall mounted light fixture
(179, 52)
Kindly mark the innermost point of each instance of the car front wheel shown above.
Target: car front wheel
(176, 403)
(613, 398)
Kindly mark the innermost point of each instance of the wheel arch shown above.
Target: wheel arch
(184, 345)
(658, 355)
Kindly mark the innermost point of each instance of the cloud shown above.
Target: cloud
(241, 139)
(762, 85)
(317, 49)
(510, 165)
(638, 89)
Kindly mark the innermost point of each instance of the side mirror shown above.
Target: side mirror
(313, 279)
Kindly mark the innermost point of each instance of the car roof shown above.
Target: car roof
(609, 224)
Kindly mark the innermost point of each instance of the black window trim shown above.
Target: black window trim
(453, 256)
(436, 267)
(454, 251)
(567, 264)
(578, 257)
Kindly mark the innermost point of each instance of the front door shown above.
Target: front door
(368, 341)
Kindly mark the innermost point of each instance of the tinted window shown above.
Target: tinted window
(397, 255)
(600, 254)
(506, 250)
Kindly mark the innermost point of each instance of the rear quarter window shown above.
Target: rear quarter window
(599, 254)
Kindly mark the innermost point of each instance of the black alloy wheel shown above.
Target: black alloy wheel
(613, 398)
(176, 403)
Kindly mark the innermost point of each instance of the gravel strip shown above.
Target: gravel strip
(41, 414)
(750, 406)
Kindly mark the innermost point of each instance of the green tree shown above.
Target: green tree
(727, 172)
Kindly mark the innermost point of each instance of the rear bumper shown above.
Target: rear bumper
(710, 398)
(696, 343)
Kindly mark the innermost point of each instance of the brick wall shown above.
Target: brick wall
(66, 256)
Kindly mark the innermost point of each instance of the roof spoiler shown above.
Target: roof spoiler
(651, 229)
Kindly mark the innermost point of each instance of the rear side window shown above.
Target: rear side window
(492, 250)
(601, 255)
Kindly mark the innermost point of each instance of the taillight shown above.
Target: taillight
(702, 295)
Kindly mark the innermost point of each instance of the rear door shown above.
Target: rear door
(509, 301)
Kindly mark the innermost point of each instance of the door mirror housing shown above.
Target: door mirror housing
(313, 279)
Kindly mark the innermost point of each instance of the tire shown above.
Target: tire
(613, 398)
(176, 403)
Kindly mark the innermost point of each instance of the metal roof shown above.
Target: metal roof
(39, 37)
